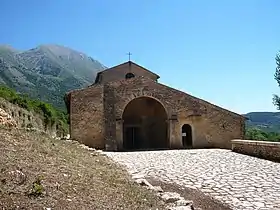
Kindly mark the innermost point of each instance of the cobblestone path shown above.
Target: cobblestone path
(241, 181)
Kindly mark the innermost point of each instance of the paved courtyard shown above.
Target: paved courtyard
(241, 181)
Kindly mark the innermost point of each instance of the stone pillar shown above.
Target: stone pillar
(174, 137)
(109, 118)
(168, 133)
(171, 134)
(119, 134)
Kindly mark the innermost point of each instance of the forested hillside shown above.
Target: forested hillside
(266, 121)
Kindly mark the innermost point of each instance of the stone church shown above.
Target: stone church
(128, 109)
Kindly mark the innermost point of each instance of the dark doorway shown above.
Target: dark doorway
(187, 136)
(132, 136)
(144, 125)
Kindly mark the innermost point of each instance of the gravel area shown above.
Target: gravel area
(241, 181)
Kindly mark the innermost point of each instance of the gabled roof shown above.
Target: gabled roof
(128, 62)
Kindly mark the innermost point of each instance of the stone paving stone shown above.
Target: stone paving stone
(241, 181)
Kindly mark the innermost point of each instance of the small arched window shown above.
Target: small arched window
(129, 75)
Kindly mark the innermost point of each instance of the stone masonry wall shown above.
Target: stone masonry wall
(26, 119)
(261, 149)
(119, 72)
(87, 116)
(109, 118)
(212, 126)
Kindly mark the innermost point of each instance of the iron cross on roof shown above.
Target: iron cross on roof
(129, 54)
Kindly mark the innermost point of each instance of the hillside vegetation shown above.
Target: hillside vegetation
(47, 72)
(266, 125)
(51, 114)
(263, 126)
(260, 135)
(63, 175)
(266, 121)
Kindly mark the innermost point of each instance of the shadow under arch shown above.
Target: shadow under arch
(145, 124)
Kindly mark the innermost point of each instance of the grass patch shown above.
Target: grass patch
(38, 172)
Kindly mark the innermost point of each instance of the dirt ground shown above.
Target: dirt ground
(37, 172)
(200, 200)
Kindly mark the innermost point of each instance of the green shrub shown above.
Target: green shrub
(258, 134)
(37, 188)
(50, 113)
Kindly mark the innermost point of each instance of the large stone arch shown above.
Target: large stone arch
(145, 124)
(124, 98)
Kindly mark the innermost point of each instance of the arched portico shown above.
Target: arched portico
(145, 124)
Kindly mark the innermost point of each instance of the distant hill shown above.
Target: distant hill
(47, 72)
(266, 121)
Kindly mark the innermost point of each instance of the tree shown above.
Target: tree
(255, 134)
(260, 135)
(276, 98)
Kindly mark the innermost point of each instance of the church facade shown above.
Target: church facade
(128, 109)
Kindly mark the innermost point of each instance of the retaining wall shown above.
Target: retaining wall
(262, 149)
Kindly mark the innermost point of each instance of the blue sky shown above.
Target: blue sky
(220, 51)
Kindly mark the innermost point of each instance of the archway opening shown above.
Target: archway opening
(144, 125)
(187, 136)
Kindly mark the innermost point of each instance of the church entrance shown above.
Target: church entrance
(144, 125)
(133, 136)
(187, 136)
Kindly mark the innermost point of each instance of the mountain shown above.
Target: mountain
(47, 72)
(266, 121)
